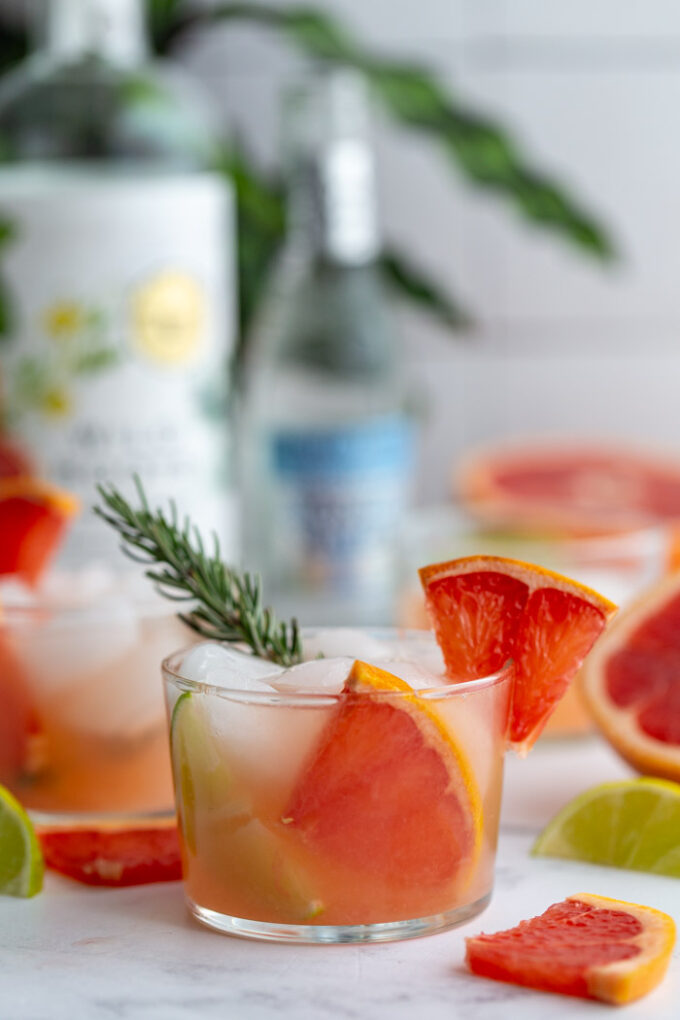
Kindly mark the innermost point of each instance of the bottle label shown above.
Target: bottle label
(116, 311)
(341, 493)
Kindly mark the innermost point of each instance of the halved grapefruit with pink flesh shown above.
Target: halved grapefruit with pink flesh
(589, 946)
(575, 488)
(488, 609)
(632, 682)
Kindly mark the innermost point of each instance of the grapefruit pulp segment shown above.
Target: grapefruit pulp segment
(587, 946)
(33, 519)
(488, 609)
(388, 793)
(632, 682)
(572, 488)
(119, 855)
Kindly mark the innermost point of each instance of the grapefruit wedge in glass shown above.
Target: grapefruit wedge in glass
(488, 609)
(388, 771)
(632, 682)
(589, 946)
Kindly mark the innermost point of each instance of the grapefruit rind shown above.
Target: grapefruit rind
(627, 980)
(619, 982)
(619, 725)
(535, 577)
(631, 824)
(39, 491)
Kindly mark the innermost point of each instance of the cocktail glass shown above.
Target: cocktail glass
(82, 719)
(312, 814)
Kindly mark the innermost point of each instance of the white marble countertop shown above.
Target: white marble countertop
(75, 953)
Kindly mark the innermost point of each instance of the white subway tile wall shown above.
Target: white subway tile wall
(592, 90)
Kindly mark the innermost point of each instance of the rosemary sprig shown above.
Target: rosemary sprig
(228, 604)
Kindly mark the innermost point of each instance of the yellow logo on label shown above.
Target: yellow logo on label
(168, 317)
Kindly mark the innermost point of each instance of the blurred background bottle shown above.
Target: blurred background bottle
(327, 439)
(116, 272)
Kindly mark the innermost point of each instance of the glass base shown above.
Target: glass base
(328, 933)
(100, 819)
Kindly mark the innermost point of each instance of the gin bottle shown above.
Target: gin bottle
(116, 282)
(327, 440)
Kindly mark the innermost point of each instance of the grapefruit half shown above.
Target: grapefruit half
(573, 488)
(589, 946)
(632, 682)
(389, 795)
(488, 609)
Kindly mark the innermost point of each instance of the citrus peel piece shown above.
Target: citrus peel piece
(33, 519)
(588, 946)
(488, 609)
(631, 683)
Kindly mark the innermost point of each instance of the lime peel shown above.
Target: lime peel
(21, 860)
(631, 824)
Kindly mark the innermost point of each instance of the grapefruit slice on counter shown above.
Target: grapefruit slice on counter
(388, 793)
(488, 609)
(590, 946)
(123, 854)
(573, 487)
(632, 682)
(33, 518)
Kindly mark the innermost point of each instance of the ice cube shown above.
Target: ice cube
(58, 650)
(324, 676)
(334, 642)
(221, 666)
(122, 701)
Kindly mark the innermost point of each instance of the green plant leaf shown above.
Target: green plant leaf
(261, 222)
(482, 150)
(407, 280)
(13, 43)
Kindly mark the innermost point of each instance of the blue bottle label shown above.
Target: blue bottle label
(342, 493)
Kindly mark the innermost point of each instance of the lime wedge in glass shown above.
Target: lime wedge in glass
(630, 824)
(21, 861)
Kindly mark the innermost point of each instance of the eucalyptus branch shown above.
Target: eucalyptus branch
(228, 604)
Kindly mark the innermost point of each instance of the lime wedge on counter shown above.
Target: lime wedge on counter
(630, 824)
(21, 861)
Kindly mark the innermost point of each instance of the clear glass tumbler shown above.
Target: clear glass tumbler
(366, 813)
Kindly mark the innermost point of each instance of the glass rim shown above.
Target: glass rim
(171, 669)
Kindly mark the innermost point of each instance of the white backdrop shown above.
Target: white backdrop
(592, 89)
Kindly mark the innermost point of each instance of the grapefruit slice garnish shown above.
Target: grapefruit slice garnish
(632, 683)
(115, 855)
(570, 487)
(488, 609)
(388, 793)
(589, 946)
(33, 518)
